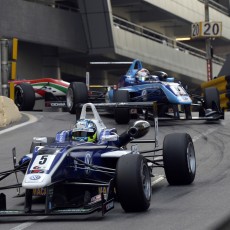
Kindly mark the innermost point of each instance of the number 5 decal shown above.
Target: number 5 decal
(43, 160)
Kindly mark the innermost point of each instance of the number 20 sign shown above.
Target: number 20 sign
(206, 29)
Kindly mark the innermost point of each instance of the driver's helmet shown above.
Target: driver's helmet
(84, 130)
(162, 75)
(142, 75)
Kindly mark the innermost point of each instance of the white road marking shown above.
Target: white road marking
(32, 119)
(158, 180)
(27, 224)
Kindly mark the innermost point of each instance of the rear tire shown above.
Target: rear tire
(121, 115)
(179, 159)
(24, 97)
(77, 93)
(133, 183)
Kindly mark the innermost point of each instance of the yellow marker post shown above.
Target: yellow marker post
(12, 90)
(15, 48)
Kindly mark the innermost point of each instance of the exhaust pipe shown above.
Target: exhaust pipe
(137, 130)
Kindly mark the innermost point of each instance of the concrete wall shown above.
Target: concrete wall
(193, 11)
(97, 20)
(42, 24)
(29, 63)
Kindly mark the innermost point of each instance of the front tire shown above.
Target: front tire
(133, 183)
(24, 97)
(179, 159)
(77, 93)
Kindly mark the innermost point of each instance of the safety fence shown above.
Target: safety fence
(157, 37)
(223, 85)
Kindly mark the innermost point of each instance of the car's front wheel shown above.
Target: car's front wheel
(133, 183)
(179, 159)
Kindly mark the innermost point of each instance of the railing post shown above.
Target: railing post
(208, 44)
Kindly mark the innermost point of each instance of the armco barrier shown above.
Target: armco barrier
(223, 85)
(9, 112)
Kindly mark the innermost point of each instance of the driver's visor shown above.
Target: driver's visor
(82, 134)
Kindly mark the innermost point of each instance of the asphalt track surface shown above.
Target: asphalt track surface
(203, 205)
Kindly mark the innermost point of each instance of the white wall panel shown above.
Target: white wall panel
(193, 11)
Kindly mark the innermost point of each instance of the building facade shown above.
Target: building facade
(60, 38)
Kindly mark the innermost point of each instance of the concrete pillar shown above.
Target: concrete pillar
(51, 64)
(4, 67)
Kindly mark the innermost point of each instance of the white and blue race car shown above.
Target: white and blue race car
(79, 177)
(173, 101)
(139, 87)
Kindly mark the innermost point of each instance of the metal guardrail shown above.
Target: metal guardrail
(217, 6)
(54, 4)
(157, 37)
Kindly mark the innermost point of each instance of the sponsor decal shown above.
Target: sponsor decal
(39, 192)
(75, 165)
(109, 206)
(37, 169)
(144, 95)
(103, 190)
(88, 160)
(35, 177)
(95, 199)
(57, 104)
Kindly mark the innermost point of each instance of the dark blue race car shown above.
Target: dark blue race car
(87, 168)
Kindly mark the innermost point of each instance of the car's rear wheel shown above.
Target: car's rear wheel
(77, 93)
(121, 115)
(179, 159)
(212, 98)
(24, 97)
(133, 183)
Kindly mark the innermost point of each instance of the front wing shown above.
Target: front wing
(103, 203)
(149, 111)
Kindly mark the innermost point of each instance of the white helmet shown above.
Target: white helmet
(143, 74)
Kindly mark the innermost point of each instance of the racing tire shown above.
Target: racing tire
(121, 115)
(24, 97)
(34, 144)
(28, 200)
(179, 159)
(212, 98)
(133, 183)
(77, 92)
